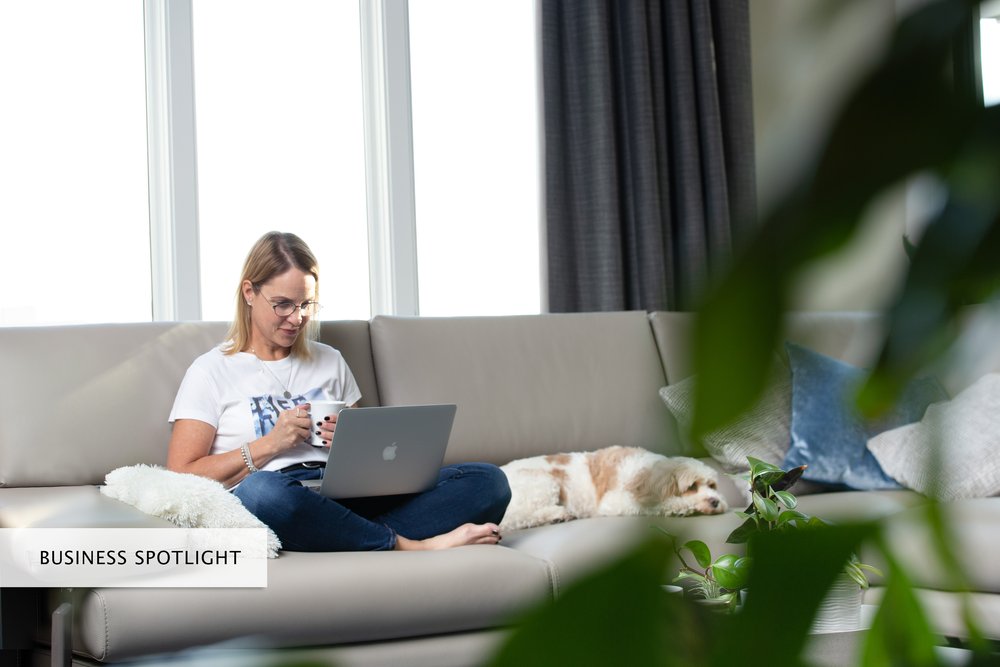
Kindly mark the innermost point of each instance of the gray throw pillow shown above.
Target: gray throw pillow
(763, 431)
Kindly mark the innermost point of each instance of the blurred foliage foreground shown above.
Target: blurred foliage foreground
(905, 118)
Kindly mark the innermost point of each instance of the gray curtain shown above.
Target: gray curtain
(649, 159)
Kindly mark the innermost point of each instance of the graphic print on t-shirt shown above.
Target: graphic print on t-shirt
(265, 409)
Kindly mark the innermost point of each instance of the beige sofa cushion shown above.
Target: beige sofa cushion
(319, 599)
(971, 529)
(851, 337)
(576, 548)
(352, 339)
(854, 337)
(529, 385)
(79, 401)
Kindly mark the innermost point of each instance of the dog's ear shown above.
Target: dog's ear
(652, 485)
(686, 479)
(673, 480)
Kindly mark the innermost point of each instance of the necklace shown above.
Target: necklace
(284, 385)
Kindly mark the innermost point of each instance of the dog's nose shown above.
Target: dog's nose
(715, 503)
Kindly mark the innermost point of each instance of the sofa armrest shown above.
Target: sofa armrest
(70, 507)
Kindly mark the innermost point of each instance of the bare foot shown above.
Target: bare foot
(470, 533)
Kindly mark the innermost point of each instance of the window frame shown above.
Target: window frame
(172, 160)
(172, 149)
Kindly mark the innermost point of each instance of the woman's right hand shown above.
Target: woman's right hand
(293, 426)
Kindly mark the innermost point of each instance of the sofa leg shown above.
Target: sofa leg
(62, 636)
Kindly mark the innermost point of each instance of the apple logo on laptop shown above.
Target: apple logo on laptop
(389, 453)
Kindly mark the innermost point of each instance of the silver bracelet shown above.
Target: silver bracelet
(245, 450)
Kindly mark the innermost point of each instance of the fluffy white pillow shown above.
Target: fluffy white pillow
(190, 501)
(966, 433)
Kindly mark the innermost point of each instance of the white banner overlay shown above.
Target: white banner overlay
(133, 558)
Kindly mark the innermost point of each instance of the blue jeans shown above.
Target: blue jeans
(304, 520)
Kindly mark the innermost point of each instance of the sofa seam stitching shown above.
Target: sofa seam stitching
(107, 624)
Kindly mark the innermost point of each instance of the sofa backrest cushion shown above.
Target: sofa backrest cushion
(849, 336)
(79, 401)
(854, 337)
(351, 337)
(529, 385)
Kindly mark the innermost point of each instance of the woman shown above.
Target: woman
(241, 416)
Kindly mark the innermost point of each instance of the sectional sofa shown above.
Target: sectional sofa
(79, 401)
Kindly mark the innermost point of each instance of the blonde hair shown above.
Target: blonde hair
(272, 254)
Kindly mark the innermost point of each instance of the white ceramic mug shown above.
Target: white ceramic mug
(318, 411)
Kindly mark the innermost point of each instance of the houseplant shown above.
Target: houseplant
(904, 118)
(719, 581)
(772, 509)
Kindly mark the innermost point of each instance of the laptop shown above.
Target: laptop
(386, 451)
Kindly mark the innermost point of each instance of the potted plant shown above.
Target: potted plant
(715, 583)
(772, 508)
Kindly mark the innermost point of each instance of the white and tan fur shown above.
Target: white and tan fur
(614, 481)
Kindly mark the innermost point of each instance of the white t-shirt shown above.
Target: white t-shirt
(240, 396)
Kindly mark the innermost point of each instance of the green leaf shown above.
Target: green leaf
(705, 588)
(731, 376)
(900, 633)
(785, 590)
(757, 467)
(791, 515)
(815, 522)
(743, 533)
(855, 573)
(585, 623)
(700, 552)
(787, 499)
(731, 571)
(789, 479)
(870, 568)
(943, 277)
(769, 477)
(767, 508)
(906, 116)
(688, 574)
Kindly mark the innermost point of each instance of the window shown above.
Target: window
(476, 156)
(280, 140)
(73, 163)
(989, 44)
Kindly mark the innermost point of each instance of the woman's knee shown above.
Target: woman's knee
(501, 486)
(261, 490)
(494, 489)
(503, 494)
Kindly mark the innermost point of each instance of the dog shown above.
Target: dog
(614, 481)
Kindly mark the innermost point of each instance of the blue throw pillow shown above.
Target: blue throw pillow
(828, 433)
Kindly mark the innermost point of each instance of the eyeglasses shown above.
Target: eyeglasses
(286, 308)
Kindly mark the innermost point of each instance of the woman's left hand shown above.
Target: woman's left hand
(325, 429)
(328, 426)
